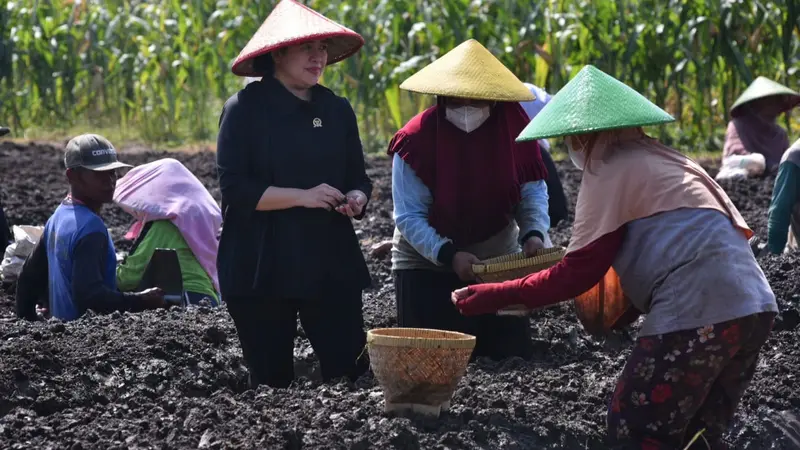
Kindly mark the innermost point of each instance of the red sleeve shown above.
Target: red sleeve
(574, 275)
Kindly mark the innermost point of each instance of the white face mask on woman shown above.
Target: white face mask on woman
(578, 157)
(468, 118)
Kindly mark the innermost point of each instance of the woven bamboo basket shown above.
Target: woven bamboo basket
(513, 266)
(417, 368)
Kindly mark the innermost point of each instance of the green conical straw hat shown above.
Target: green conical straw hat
(763, 87)
(593, 101)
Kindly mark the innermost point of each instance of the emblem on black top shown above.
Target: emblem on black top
(317, 122)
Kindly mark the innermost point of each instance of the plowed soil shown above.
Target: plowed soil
(175, 379)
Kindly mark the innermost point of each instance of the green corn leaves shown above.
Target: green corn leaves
(160, 69)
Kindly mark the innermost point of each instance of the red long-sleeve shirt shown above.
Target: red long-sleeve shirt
(574, 275)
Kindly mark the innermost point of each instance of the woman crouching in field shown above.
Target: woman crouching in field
(173, 210)
(651, 220)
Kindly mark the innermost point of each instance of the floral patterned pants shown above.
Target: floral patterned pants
(677, 384)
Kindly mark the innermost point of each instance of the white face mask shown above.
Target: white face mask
(467, 118)
(578, 157)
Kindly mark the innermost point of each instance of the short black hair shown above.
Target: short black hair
(264, 64)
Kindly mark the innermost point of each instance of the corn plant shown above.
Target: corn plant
(160, 69)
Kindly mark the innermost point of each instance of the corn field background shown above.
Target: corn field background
(159, 70)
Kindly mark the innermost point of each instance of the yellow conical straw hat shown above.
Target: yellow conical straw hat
(469, 71)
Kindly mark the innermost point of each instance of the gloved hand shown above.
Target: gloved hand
(481, 299)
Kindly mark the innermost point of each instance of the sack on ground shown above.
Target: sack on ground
(25, 238)
(742, 166)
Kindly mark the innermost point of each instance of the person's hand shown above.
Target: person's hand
(459, 294)
(355, 204)
(479, 299)
(462, 265)
(42, 311)
(322, 196)
(532, 245)
(153, 298)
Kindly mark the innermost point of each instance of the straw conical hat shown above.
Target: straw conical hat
(292, 23)
(593, 101)
(469, 71)
(764, 87)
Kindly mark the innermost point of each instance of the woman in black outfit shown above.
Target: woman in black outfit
(292, 175)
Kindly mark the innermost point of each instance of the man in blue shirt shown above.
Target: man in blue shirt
(74, 262)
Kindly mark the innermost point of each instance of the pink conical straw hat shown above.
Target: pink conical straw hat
(292, 23)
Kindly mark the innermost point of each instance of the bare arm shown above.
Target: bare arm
(275, 198)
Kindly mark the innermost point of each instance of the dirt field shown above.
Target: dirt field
(172, 379)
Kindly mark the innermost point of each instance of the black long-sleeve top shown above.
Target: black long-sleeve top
(270, 137)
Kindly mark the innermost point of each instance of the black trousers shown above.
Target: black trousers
(423, 301)
(267, 328)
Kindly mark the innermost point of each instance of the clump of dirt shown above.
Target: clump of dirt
(176, 379)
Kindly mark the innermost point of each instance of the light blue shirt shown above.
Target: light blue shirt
(532, 108)
(412, 200)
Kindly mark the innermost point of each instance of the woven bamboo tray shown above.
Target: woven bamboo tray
(517, 265)
(418, 368)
